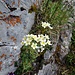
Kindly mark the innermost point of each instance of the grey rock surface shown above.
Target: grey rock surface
(14, 25)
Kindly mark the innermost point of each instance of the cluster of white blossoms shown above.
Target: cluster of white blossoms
(36, 41)
(39, 41)
(46, 24)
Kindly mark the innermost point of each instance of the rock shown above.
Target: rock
(14, 24)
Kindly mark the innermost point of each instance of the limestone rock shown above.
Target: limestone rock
(14, 24)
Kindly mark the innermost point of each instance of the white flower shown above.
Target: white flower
(37, 41)
(49, 42)
(35, 37)
(50, 27)
(46, 24)
(28, 36)
(29, 39)
(42, 49)
(43, 43)
(22, 43)
(38, 50)
(31, 35)
(46, 36)
(28, 42)
(41, 38)
(34, 45)
(41, 35)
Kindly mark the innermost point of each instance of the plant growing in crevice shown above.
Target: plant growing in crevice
(54, 12)
(34, 46)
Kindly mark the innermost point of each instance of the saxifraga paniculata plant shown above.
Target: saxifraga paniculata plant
(56, 13)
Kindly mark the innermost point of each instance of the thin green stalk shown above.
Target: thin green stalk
(56, 8)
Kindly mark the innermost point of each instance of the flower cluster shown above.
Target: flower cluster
(46, 24)
(37, 42)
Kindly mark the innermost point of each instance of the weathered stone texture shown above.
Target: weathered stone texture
(15, 22)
